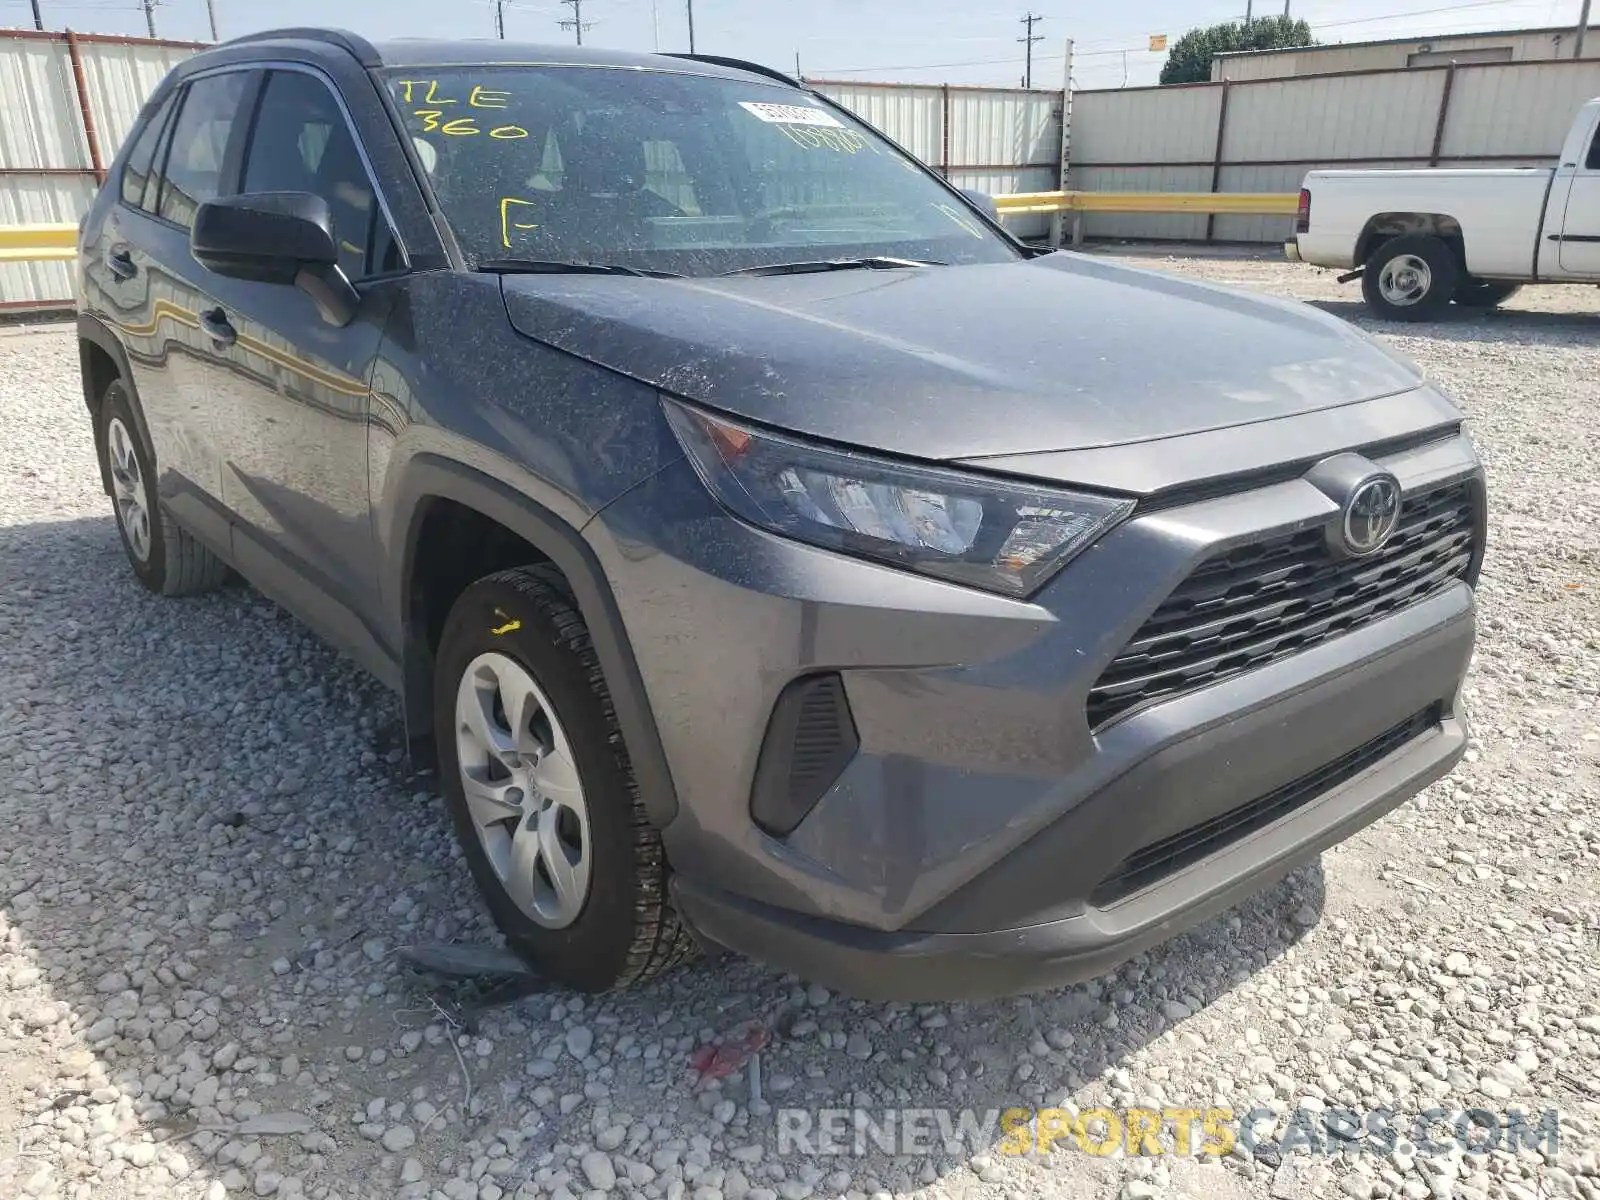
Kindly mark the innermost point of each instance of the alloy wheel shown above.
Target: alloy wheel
(523, 790)
(1405, 280)
(127, 488)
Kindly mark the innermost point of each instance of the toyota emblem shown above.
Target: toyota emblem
(1366, 500)
(1370, 515)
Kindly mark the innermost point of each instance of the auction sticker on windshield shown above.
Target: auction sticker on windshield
(790, 114)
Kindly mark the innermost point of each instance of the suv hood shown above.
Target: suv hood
(1062, 352)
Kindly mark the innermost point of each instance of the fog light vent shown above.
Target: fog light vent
(810, 740)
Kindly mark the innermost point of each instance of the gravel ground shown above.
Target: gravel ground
(212, 852)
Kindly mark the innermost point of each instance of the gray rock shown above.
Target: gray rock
(597, 1169)
(580, 1039)
(398, 1138)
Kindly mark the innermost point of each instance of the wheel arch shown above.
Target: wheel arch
(1381, 227)
(430, 480)
(101, 362)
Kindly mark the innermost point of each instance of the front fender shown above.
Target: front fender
(425, 478)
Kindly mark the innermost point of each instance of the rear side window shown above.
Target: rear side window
(199, 145)
(136, 170)
(302, 143)
(1593, 161)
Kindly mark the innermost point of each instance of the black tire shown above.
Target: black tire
(174, 562)
(627, 930)
(1484, 293)
(1443, 276)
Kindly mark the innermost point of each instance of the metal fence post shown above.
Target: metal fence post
(944, 130)
(1057, 219)
(85, 112)
(1444, 114)
(1216, 157)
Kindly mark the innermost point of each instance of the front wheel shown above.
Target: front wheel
(1411, 278)
(541, 790)
(1485, 293)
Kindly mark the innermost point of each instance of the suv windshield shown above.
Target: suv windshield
(664, 171)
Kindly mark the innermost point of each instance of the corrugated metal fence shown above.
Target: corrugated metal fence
(1264, 135)
(994, 140)
(69, 100)
(1241, 136)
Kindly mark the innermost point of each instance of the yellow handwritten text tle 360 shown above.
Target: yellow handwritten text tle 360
(465, 126)
(479, 97)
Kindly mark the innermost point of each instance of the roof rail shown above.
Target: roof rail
(739, 64)
(358, 46)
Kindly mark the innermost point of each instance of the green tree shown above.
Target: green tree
(1190, 58)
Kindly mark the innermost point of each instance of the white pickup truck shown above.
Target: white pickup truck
(1420, 239)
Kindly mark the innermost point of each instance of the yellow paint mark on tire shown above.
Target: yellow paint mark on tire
(512, 624)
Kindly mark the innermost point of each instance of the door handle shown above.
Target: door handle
(120, 263)
(215, 323)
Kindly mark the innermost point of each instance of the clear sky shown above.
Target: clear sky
(951, 41)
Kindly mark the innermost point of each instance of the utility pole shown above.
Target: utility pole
(150, 16)
(577, 24)
(1577, 48)
(655, 25)
(38, 20)
(1285, 10)
(211, 14)
(689, 4)
(500, 19)
(1028, 40)
(1249, 11)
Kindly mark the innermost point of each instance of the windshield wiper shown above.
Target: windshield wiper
(537, 266)
(880, 262)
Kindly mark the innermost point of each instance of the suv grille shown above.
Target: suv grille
(1259, 602)
(1160, 859)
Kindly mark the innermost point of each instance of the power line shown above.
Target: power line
(1028, 40)
(1418, 12)
(576, 23)
(1118, 50)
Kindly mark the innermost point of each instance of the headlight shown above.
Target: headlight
(972, 529)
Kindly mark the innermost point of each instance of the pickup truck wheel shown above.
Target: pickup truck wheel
(541, 790)
(1410, 278)
(165, 556)
(1485, 293)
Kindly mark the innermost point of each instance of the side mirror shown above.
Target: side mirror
(276, 237)
(983, 201)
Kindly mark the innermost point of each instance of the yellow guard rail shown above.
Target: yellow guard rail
(1059, 204)
(58, 243)
(38, 243)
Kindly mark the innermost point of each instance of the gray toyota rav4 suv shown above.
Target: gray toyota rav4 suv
(769, 551)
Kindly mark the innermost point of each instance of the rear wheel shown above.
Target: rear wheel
(542, 792)
(1485, 293)
(1410, 278)
(166, 558)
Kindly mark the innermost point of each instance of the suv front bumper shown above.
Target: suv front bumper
(1060, 865)
(984, 840)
